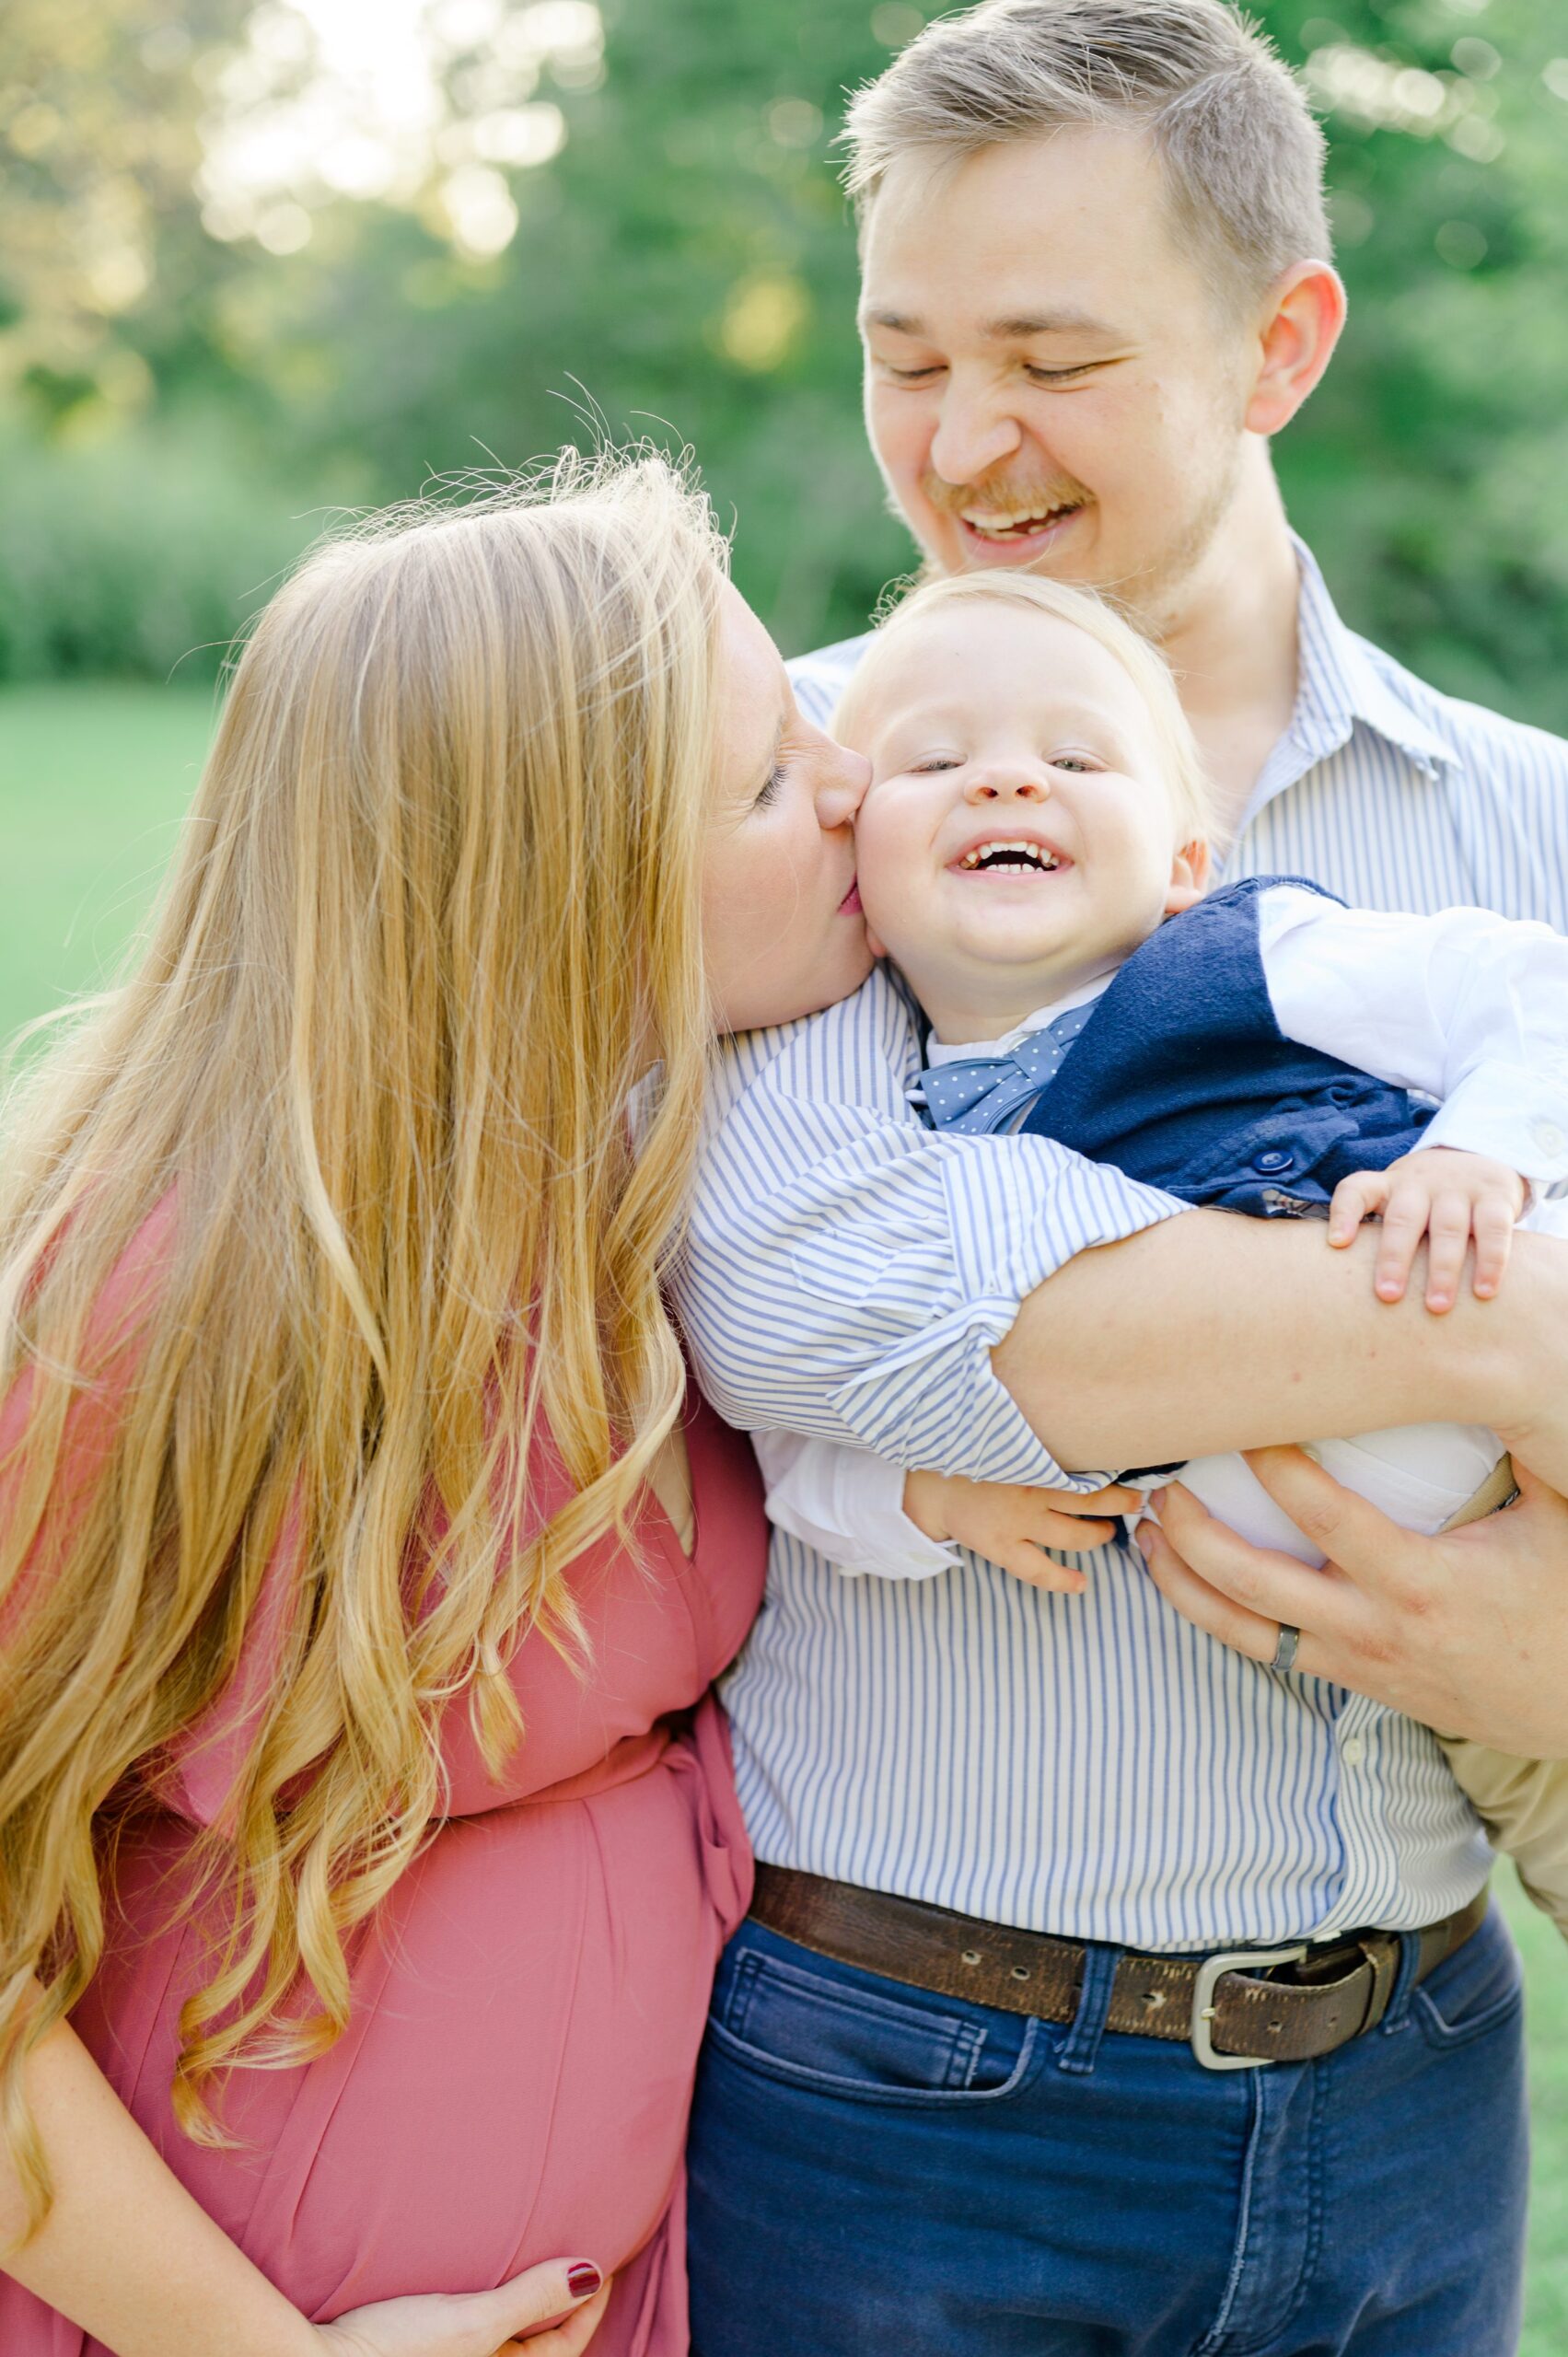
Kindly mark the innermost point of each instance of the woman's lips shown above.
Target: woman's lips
(850, 905)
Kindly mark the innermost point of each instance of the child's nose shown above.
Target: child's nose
(1008, 785)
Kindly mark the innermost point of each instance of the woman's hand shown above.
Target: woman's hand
(1466, 1632)
(1010, 1522)
(480, 2323)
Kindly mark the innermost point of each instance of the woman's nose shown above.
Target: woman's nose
(842, 790)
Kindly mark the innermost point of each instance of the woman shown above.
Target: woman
(361, 1575)
(346, 1653)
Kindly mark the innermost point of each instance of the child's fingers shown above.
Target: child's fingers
(1354, 1200)
(1118, 1498)
(1404, 1224)
(1494, 1239)
(1027, 1563)
(1448, 1234)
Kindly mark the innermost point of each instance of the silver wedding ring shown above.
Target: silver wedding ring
(1285, 1652)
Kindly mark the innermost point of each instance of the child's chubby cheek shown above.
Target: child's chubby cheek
(897, 892)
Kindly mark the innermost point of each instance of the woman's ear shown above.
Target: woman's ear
(1191, 874)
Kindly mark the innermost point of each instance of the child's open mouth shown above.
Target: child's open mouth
(1010, 856)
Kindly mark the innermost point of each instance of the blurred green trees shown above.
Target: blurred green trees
(231, 295)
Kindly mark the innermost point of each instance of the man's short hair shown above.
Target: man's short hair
(1242, 151)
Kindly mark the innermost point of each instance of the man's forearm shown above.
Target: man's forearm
(1212, 1333)
(125, 2251)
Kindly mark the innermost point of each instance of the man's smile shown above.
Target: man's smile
(1016, 531)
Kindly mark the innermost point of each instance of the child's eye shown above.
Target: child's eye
(1082, 762)
(935, 761)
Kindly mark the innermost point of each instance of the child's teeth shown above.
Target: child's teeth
(1033, 853)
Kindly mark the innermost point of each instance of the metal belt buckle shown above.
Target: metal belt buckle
(1210, 1973)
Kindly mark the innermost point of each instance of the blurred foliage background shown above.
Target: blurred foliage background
(258, 260)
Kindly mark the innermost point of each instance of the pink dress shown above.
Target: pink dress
(515, 2082)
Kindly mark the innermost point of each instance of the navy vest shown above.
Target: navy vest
(1182, 1078)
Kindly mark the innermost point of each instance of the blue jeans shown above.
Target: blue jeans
(878, 2170)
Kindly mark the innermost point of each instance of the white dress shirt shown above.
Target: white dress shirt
(1088, 1765)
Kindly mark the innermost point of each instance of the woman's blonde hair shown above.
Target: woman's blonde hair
(434, 913)
(1181, 762)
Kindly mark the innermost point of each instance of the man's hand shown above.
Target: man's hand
(1466, 1632)
(1446, 1196)
(1011, 1523)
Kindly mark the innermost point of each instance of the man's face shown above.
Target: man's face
(1049, 381)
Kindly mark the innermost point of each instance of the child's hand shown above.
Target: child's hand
(1446, 1196)
(1009, 1523)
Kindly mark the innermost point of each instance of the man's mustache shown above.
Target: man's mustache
(1001, 495)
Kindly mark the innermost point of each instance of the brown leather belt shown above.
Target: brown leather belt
(1223, 2006)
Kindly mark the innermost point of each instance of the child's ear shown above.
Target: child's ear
(1190, 873)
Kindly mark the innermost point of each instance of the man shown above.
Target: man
(1096, 282)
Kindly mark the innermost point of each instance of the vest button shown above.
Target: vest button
(1275, 1159)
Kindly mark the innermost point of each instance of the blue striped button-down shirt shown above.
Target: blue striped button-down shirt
(1088, 1765)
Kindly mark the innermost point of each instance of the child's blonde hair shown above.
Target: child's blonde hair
(1085, 609)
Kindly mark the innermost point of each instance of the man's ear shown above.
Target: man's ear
(1190, 873)
(1301, 325)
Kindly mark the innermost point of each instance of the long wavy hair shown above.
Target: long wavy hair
(433, 918)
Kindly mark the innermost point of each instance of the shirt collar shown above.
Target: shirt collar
(1342, 686)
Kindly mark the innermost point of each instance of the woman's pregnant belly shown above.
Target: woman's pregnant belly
(514, 2084)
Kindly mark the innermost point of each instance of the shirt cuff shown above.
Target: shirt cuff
(849, 1506)
(1516, 1116)
(1018, 1210)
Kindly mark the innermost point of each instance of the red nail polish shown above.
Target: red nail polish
(583, 2281)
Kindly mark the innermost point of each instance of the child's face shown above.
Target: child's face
(1019, 836)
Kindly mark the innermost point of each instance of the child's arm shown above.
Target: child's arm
(867, 1516)
(1444, 1195)
(1463, 1006)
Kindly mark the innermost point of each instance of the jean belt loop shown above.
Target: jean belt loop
(1080, 2048)
(1404, 1983)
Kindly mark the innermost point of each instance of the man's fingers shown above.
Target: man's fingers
(1448, 1230)
(1274, 1587)
(1210, 1609)
(1357, 1541)
(1354, 1200)
(1493, 1237)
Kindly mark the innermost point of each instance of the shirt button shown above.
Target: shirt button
(1352, 1751)
(1549, 1137)
(1275, 1159)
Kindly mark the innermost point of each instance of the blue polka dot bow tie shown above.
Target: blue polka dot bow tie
(980, 1094)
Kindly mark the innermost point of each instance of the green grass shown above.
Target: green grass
(93, 779)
